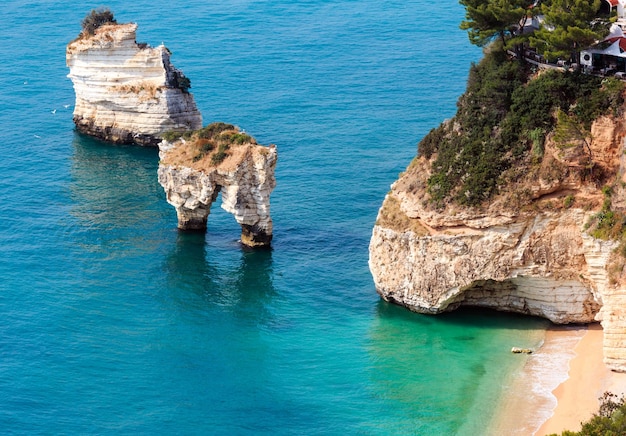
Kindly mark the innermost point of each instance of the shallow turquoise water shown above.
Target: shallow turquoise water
(115, 322)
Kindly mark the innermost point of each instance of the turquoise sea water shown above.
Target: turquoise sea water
(112, 321)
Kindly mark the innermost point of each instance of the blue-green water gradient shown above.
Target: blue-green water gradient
(114, 322)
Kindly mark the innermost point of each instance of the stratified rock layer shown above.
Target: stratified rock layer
(538, 265)
(538, 259)
(245, 179)
(127, 92)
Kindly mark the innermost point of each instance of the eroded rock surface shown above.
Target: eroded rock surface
(127, 92)
(193, 178)
(531, 255)
(537, 265)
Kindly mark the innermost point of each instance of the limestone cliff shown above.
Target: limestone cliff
(535, 247)
(127, 92)
(195, 168)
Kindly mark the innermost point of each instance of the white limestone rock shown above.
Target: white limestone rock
(245, 179)
(535, 258)
(538, 266)
(127, 92)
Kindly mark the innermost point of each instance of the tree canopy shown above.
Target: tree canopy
(569, 26)
(97, 18)
(486, 20)
(502, 121)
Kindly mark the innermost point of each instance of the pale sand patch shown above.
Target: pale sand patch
(589, 378)
(527, 400)
(559, 386)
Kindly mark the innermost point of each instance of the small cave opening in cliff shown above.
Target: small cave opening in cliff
(497, 295)
(559, 301)
(488, 316)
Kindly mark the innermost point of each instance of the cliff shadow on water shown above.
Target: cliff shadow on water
(408, 349)
(114, 193)
(111, 181)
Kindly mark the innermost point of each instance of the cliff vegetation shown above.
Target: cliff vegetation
(502, 122)
(206, 147)
(97, 18)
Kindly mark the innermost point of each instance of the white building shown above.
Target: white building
(608, 55)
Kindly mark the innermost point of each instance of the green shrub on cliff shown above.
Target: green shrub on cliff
(608, 224)
(236, 137)
(172, 135)
(214, 141)
(470, 156)
(220, 155)
(214, 129)
(183, 83)
(97, 18)
(502, 120)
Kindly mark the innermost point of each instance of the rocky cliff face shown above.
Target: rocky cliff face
(194, 171)
(529, 250)
(127, 92)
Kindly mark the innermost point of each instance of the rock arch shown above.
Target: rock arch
(245, 181)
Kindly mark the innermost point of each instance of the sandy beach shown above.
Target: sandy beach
(560, 384)
(588, 378)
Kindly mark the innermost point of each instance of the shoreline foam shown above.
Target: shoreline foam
(588, 378)
(527, 401)
(559, 386)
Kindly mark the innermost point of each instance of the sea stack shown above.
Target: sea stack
(196, 166)
(127, 92)
(548, 239)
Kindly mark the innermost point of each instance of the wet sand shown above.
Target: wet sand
(527, 401)
(577, 397)
(559, 386)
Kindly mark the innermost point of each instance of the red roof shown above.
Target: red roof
(622, 42)
(613, 2)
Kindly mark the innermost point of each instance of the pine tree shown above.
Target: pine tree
(569, 27)
(491, 19)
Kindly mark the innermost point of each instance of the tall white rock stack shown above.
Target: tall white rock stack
(127, 92)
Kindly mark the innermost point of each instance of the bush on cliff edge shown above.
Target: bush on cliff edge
(97, 18)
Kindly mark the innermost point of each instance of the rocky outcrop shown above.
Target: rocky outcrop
(127, 92)
(536, 265)
(194, 171)
(534, 255)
